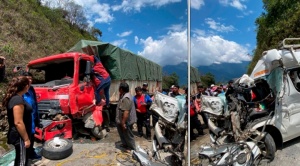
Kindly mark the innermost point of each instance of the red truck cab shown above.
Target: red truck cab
(65, 95)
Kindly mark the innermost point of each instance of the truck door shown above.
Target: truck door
(85, 96)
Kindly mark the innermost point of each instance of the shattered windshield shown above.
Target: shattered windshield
(274, 80)
(52, 71)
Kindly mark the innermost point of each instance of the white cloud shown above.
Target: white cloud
(176, 27)
(136, 40)
(218, 26)
(214, 49)
(198, 32)
(124, 34)
(120, 43)
(99, 12)
(129, 5)
(234, 3)
(95, 11)
(196, 4)
(170, 49)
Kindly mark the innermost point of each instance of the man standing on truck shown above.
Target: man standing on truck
(102, 81)
(125, 117)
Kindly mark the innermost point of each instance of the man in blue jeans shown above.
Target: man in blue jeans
(102, 81)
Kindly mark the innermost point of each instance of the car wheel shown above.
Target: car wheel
(267, 147)
(57, 148)
(99, 132)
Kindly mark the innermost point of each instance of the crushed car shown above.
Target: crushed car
(169, 146)
(263, 114)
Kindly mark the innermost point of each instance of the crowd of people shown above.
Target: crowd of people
(137, 105)
(20, 101)
(195, 105)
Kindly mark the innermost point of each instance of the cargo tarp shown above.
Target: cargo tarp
(121, 64)
(195, 75)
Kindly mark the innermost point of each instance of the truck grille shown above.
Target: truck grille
(49, 107)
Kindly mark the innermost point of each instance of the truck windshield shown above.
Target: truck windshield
(51, 72)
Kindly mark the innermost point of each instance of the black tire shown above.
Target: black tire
(54, 150)
(267, 147)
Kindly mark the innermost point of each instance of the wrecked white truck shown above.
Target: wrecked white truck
(169, 144)
(263, 114)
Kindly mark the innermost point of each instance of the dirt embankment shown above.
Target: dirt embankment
(3, 130)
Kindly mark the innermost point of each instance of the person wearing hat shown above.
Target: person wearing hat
(214, 91)
(145, 88)
(175, 91)
(171, 90)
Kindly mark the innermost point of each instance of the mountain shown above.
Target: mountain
(180, 70)
(225, 71)
(222, 72)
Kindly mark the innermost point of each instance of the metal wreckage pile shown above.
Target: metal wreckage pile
(262, 114)
(169, 144)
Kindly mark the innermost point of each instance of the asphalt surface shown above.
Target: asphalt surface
(92, 152)
(288, 155)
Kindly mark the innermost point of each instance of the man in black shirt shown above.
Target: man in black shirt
(175, 91)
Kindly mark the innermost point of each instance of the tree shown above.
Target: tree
(207, 79)
(169, 80)
(96, 32)
(279, 21)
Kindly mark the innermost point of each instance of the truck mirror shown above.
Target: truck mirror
(88, 68)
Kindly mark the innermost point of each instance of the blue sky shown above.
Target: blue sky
(221, 30)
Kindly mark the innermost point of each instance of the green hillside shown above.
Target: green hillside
(29, 30)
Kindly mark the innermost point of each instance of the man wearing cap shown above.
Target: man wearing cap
(171, 90)
(145, 88)
(175, 91)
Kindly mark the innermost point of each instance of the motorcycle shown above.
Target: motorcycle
(170, 133)
(233, 140)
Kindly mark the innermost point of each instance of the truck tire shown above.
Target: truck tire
(57, 149)
(267, 147)
(99, 132)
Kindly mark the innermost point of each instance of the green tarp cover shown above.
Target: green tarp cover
(195, 75)
(121, 64)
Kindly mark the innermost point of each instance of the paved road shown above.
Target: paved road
(288, 155)
(91, 152)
